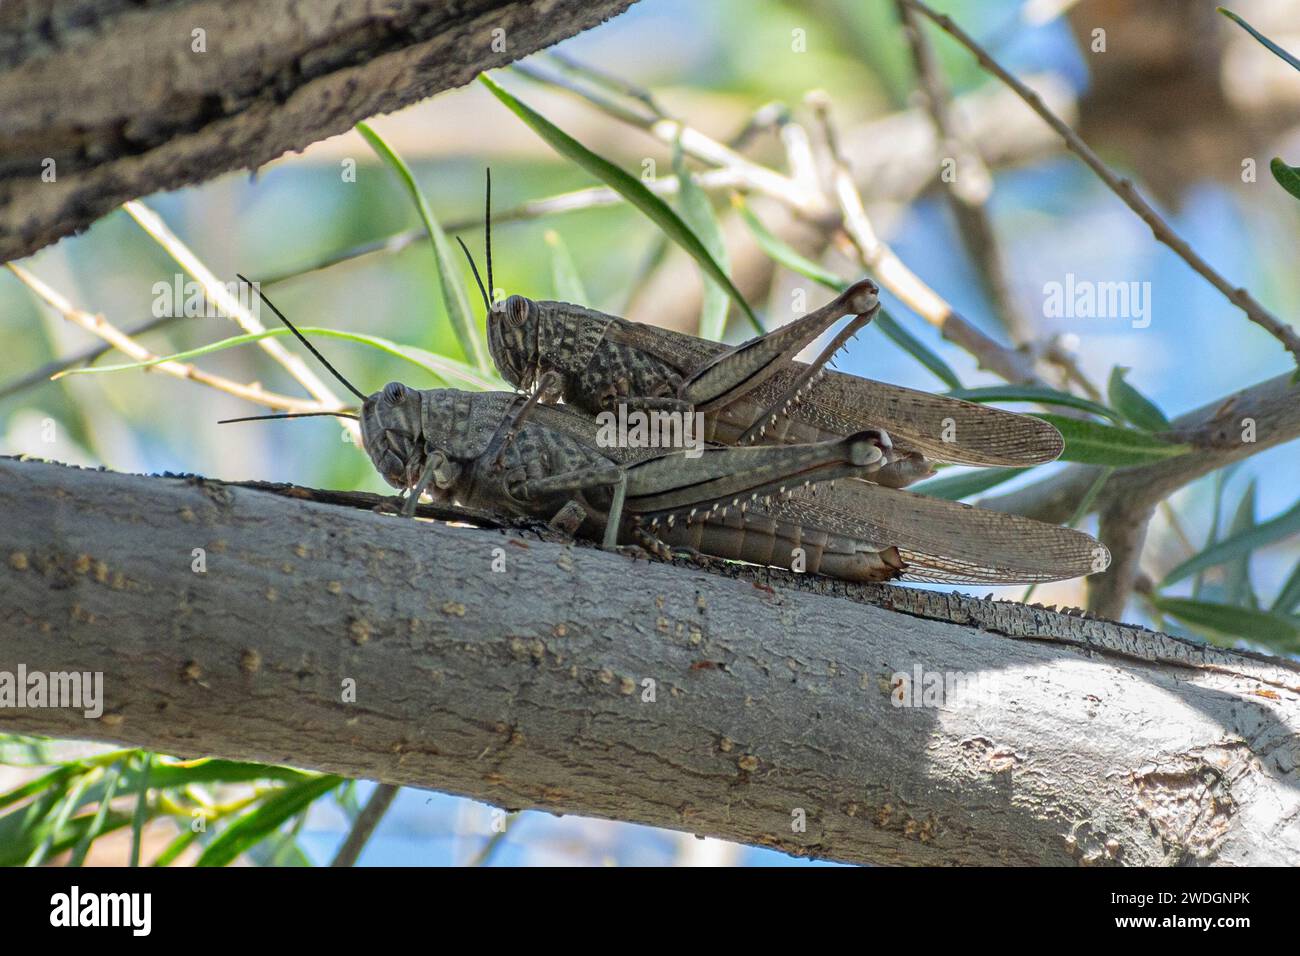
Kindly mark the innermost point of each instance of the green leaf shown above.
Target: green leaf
(49, 781)
(1092, 443)
(1234, 623)
(444, 369)
(698, 213)
(1133, 405)
(453, 293)
(957, 487)
(1288, 177)
(141, 806)
(1038, 394)
(265, 818)
(96, 827)
(1260, 37)
(176, 847)
(1236, 583)
(629, 187)
(564, 275)
(781, 253)
(1220, 484)
(1288, 599)
(1237, 545)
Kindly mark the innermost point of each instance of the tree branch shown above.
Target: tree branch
(1120, 186)
(124, 103)
(729, 704)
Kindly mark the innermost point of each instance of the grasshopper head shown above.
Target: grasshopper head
(512, 339)
(392, 432)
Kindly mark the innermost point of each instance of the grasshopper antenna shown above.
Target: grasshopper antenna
(487, 303)
(487, 227)
(266, 418)
(303, 339)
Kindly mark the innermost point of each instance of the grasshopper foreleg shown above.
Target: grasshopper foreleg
(413, 499)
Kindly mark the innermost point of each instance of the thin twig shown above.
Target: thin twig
(84, 357)
(894, 275)
(100, 326)
(712, 180)
(1121, 186)
(364, 825)
(218, 294)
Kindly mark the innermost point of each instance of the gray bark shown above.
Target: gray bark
(1091, 742)
(116, 96)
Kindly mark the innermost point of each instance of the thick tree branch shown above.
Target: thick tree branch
(1224, 431)
(126, 100)
(735, 705)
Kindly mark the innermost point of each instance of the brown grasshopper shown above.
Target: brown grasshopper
(753, 391)
(762, 504)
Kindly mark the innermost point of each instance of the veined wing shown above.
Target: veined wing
(838, 404)
(945, 541)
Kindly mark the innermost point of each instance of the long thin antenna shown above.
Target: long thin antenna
(303, 339)
(487, 230)
(267, 418)
(487, 303)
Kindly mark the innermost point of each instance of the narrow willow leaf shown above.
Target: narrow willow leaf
(1092, 443)
(453, 292)
(1234, 546)
(1259, 627)
(1236, 583)
(564, 275)
(265, 818)
(781, 253)
(1288, 599)
(55, 827)
(446, 370)
(698, 213)
(96, 827)
(627, 186)
(1288, 177)
(1038, 394)
(49, 781)
(957, 487)
(141, 806)
(1133, 405)
(1220, 484)
(176, 847)
(1260, 37)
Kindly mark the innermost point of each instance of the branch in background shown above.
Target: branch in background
(84, 357)
(100, 326)
(582, 694)
(895, 276)
(1215, 430)
(1120, 186)
(971, 184)
(363, 827)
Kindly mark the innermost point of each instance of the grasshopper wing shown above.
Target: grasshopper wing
(940, 428)
(945, 541)
(837, 404)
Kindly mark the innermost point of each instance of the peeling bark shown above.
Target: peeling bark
(117, 98)
(1079, 740)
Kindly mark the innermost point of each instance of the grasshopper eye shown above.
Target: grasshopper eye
(516, 311)
(394, 393)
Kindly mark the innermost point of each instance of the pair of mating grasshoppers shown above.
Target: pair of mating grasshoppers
(805, 465)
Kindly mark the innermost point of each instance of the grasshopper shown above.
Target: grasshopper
(751, 392)
(761, 504)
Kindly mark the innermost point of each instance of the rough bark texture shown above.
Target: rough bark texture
(115, 94)
(1088, 741)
